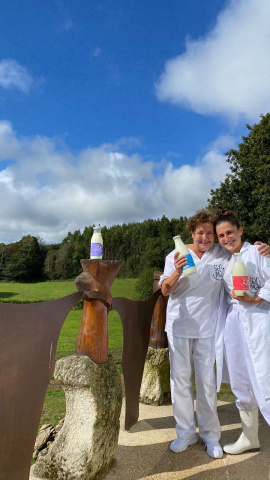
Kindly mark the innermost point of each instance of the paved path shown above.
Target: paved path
(143, 452)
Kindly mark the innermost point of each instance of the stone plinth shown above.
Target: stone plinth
(155, 388)
(85, 445)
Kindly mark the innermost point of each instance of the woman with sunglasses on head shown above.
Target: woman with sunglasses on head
(245, 333)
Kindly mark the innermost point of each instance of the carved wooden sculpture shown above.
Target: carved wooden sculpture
(158, 336)
(97, 276)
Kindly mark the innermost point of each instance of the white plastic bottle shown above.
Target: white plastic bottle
(183, 250)
(96, 244)
(239, 276)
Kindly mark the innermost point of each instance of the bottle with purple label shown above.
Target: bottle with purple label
(96, 244)
(189, 268)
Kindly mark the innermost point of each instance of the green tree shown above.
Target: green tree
(23, 260)
(49, 263)
(2, 258)
(63, 262)
(246, 189)
(144, 284)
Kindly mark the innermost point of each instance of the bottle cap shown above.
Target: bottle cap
(177, 236)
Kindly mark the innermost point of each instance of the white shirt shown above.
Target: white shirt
(193, 306)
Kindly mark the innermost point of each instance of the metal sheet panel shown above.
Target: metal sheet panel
(28, 341)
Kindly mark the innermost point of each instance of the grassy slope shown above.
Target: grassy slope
(43, 291)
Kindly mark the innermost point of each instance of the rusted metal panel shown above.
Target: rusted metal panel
(28, 341)
(136, 320)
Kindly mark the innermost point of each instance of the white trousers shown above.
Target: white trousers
(243, 380)
(185, 354)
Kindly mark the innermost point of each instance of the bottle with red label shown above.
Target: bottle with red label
(239, 276)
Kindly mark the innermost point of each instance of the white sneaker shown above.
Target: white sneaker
(214, 450)
(181, 444)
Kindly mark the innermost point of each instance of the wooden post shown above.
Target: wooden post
(158, 336)
(97, 276)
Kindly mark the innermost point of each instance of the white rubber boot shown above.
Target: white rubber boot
(248, 440)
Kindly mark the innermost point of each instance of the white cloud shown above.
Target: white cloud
(47, 191)
(226, 72)
(13, 75)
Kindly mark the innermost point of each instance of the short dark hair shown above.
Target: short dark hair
(202, 216)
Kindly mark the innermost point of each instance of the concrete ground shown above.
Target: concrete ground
(143, 452)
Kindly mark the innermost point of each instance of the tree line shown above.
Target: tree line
(141, 245)
(144, 245)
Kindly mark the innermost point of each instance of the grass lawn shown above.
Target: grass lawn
(35, 292)
(44, 291)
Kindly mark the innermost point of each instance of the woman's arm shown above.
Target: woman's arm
(169, 284)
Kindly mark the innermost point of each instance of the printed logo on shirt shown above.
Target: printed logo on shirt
(218, 272)
(254, 284)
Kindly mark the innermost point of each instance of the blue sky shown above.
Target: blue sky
(114, 111)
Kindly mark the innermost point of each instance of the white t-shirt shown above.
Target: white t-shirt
(193, 306)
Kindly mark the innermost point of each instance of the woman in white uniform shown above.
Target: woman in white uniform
(190, 325)
(246, 334)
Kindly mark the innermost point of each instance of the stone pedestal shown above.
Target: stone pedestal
(155, 387)
(88, 439)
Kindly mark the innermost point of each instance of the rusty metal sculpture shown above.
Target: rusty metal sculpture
(136, 320)
(98, 276)
(28, 341)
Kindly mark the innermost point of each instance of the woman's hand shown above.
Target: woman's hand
(246, 298)
(179, 262)
(263, 249)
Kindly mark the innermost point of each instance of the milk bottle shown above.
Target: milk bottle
(239, 276)
(189, 268)
(96, 244)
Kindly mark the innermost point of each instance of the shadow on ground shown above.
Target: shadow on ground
(4, 295)
(143, 453)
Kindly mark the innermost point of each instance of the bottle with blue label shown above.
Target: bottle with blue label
(96, 250)
(189, 268)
